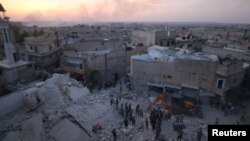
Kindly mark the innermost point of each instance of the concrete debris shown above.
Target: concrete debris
(12, 136)
(70, 112)
(39, 84)
(52, 95)
(58, 79)
(33, 97)
(75, 92)
(67, 131)
(32, 129)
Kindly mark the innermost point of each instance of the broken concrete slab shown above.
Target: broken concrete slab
(52, 95)
(12, 136)
(68, 131)
(58, 79)
(32, 129)
(76, 93)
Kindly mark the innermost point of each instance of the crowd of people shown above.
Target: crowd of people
(130, 114)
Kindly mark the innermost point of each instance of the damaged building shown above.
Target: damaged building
(105, 55)
(43, 51)
(186, 72)
(41, 114)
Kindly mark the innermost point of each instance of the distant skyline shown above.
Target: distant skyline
(221, 11)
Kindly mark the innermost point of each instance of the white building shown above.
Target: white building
(13, 69)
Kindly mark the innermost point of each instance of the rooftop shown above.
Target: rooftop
(169, 54)
(85, 53)
(40, 39)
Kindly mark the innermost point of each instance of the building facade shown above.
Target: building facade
(149, 38)
(14, 72)
(43, 51)
(179, 70)
(104, 55)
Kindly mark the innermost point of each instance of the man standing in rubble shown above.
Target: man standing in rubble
(217, 121)
(122, 110)
(111, 101)
(137, 109)
(126, 122)
(199, 134)
(120, 88)
(158, 132)
(117, 103)
(180, 133)
(146, 123)
(114, 134)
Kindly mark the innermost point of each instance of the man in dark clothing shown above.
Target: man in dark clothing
(117, 103)
(152, 119)
(158, 132)
(130, 116)
(111, 101)
(141, 112)
(199, 134)
(168, 116)
(146, 123)
(217, 121)
(181, 118)
(179, 137)
(158, 123)
(125, 122)
(129, 107)
(153, 123)
(137, 109)
(120, 88)
(122, 110)
(114, 134)
(133, 120)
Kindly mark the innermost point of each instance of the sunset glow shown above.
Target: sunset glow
(234, 11)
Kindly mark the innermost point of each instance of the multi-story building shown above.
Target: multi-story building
(149, 38)
(228, 51)
(43, 51)
(14, 71)
(104, 55)
(188, 72)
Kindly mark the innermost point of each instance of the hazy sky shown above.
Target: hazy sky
(233, 11)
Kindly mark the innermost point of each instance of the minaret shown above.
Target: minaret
(9, 48)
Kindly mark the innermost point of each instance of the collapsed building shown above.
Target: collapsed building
(44, 111)
(185, 72)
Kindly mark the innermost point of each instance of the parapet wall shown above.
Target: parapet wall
(11, 102)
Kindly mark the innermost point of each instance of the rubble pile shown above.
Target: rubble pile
(68, 111)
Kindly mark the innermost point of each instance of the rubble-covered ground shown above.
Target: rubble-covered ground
(73, 112)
